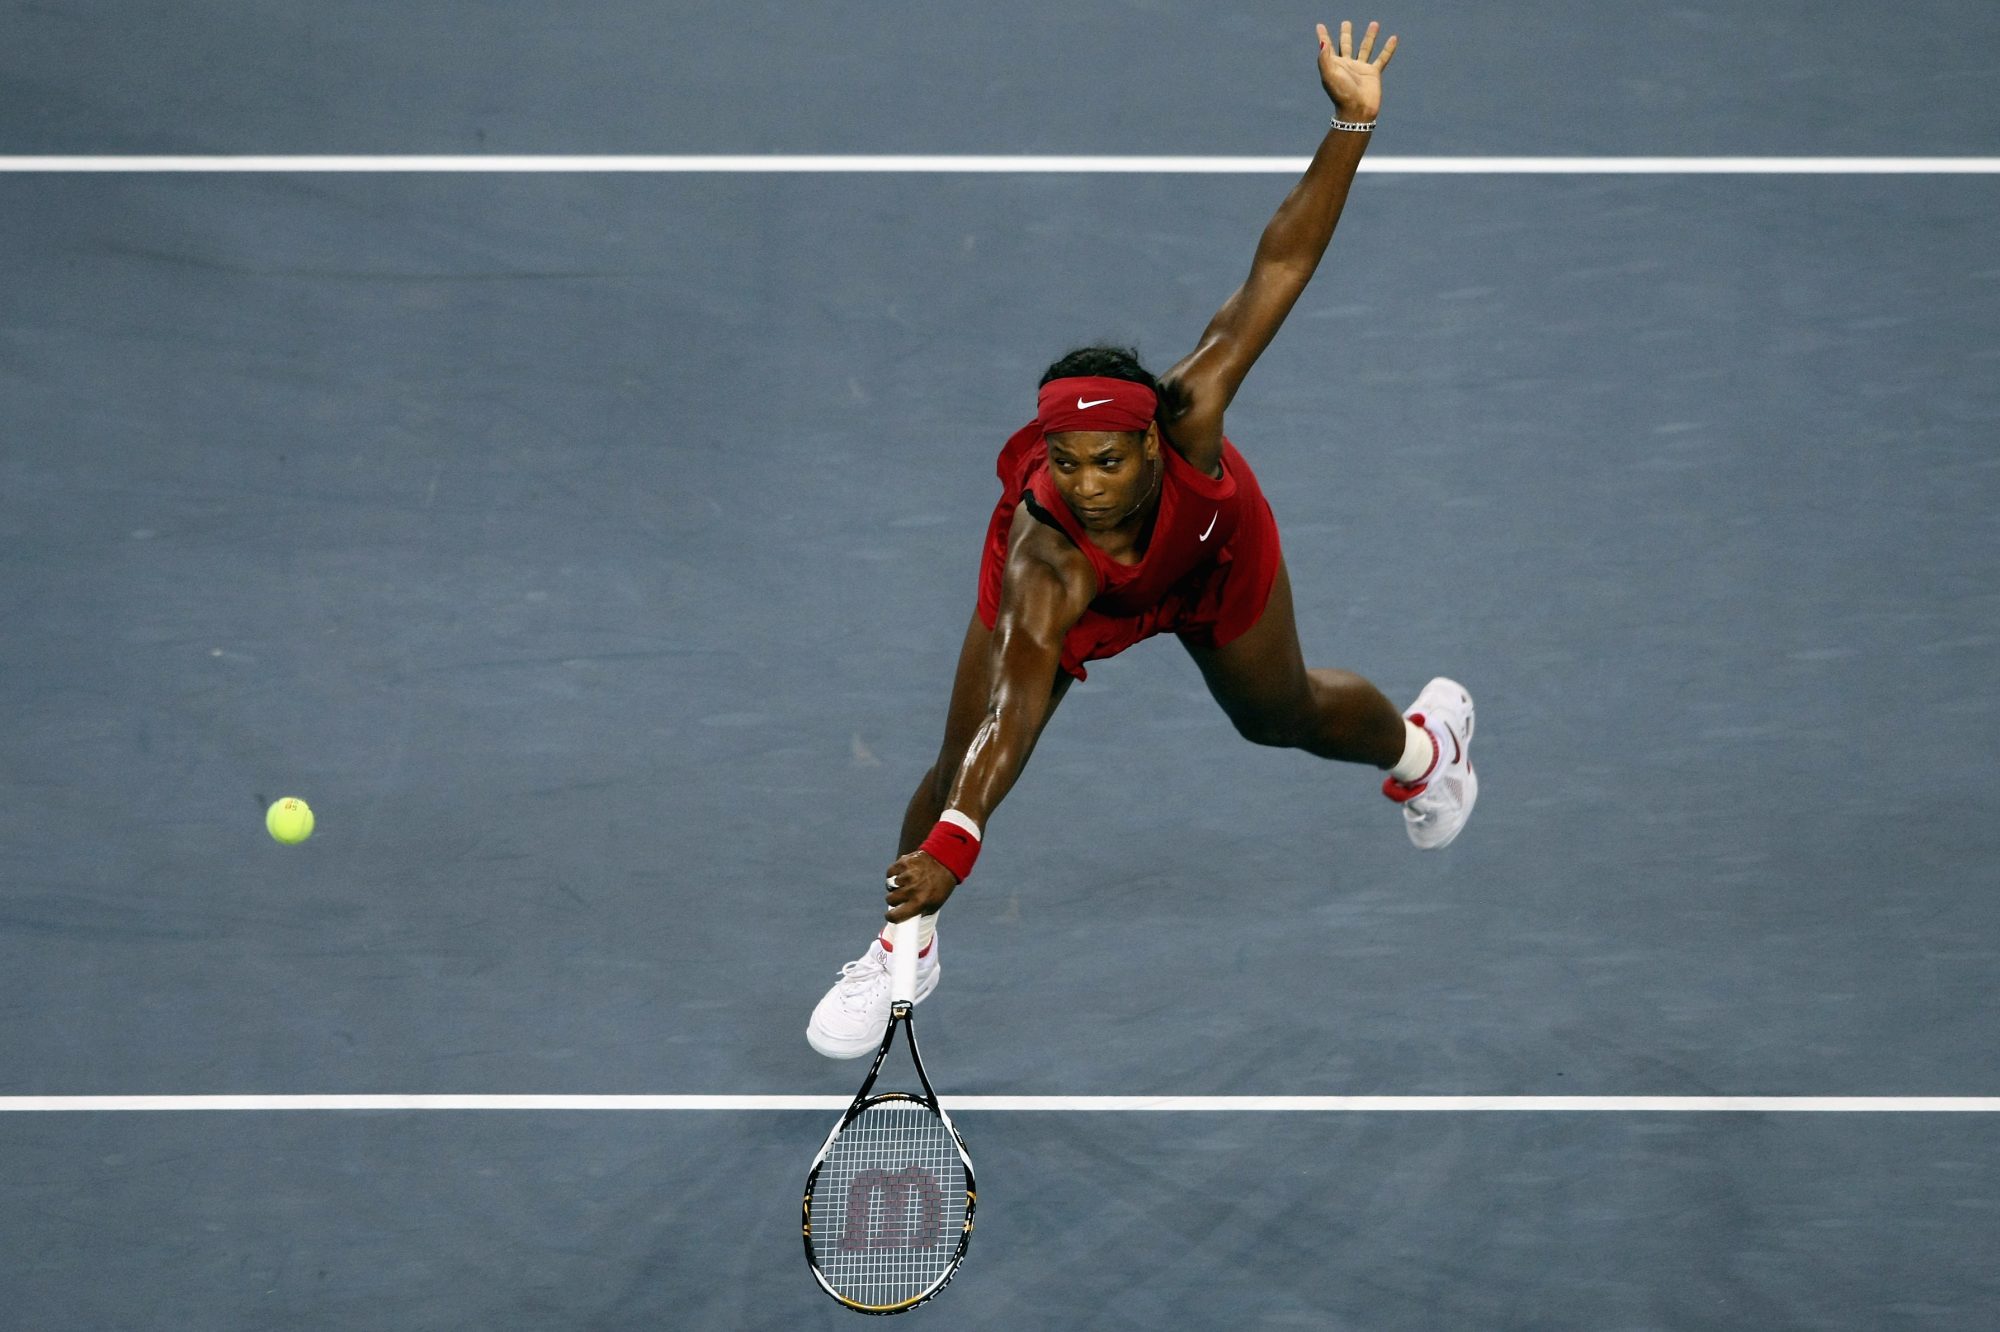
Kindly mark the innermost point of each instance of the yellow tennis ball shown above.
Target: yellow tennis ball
(290, 820)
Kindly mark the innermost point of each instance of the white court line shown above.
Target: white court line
(1222, 1104)
(891, 164)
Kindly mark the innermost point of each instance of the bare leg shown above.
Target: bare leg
(1262, 682)
(971, 691)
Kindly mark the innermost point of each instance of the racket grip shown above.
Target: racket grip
(903, 961)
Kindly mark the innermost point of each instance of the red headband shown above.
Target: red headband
(1091, 402)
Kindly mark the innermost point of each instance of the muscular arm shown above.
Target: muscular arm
(1048, 585)
(1046, 588)
(1197, 390)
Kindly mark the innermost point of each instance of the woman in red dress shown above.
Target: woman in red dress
(1126, 513)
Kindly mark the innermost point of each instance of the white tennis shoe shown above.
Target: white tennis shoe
(1436, 807)
(851, 1017)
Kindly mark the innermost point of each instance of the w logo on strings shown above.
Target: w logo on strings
(897, 1189)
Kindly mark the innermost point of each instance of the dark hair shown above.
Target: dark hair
(1109, 362)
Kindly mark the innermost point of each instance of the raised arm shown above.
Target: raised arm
(1196, 391)
(1047, 585)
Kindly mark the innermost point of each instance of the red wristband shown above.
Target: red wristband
(953, 844)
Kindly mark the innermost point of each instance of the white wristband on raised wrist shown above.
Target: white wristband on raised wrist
(1353, 126)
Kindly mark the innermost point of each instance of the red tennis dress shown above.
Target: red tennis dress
(1206, 572)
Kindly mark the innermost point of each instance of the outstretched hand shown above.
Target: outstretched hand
(1350, 78)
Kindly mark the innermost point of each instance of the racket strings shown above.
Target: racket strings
(888, 1207)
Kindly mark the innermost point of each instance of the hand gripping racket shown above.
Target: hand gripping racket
(888, 1206)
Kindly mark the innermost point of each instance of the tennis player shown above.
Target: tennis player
(1126, 513)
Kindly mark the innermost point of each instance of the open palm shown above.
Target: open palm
(1350, 78)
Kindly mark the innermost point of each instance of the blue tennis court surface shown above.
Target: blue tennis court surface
(592, 551)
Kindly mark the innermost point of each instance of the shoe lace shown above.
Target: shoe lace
(858, 978)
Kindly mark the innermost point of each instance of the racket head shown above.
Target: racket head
(888, 1205)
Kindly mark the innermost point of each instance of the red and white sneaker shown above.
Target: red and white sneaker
(1436, 805)
(849, 1020)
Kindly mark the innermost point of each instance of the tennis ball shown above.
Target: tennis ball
(290, 820)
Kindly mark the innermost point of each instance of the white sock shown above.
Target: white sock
(1420, 754)
(926, 932)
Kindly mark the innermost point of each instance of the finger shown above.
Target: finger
(1367, 42)
(1388, 49)
(1324, 40)
(1346, 39)
(896, 915)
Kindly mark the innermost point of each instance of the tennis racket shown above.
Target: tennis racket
(888, 1206)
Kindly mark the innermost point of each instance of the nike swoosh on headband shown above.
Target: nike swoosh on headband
(1083, 406)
